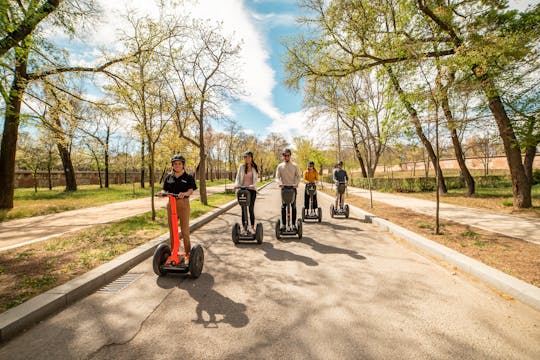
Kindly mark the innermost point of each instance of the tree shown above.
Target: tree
(61, 119)
(356, 35)
(100, 125)
(205, 67)
(141, 87)
(27, 58)
(30, 157)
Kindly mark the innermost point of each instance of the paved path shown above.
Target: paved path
(346, 290)
(22, 232)
(525, 228)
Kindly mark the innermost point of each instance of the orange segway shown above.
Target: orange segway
(174, 261)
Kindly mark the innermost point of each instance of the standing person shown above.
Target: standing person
(311, 175)
(247, 175)
(180, 182)
(288, 173)
(340, 176)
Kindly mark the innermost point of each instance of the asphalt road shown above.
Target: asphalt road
(345, 291)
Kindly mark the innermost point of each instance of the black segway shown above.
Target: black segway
(340, 209)
(311, 213)
(165, 260)
(287, 196)
(243, 196)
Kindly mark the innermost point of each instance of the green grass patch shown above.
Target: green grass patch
(424, 225)
(508, 203)
(480, 243)
(471, 234)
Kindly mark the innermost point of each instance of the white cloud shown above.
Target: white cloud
(303, 123)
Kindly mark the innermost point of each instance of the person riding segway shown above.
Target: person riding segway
(178, 187)
(246, 183)
(288, 177)
(340, 180)
(310, 209)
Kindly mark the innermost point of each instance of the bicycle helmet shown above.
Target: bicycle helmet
(178, 157)
(248, 153)
(311, 163)
(286, 151)
(340, 162)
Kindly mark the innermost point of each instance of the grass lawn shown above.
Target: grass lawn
(28, 203)
(31, 270)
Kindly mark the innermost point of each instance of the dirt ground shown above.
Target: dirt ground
(515, 257)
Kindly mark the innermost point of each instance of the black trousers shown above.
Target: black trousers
(306, 200)
(293, 211)
(251, 208)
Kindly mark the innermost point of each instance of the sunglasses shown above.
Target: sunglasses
(287, 155)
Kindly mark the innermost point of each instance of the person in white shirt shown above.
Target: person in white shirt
(288, 173)
(247, 175)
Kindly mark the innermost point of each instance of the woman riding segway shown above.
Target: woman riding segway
(311, 176)
(246, 181)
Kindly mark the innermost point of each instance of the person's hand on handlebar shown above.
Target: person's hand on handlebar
(182, 195)
(281, 186)
(295, 186)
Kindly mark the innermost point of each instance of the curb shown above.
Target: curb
(23, 316)
(519, 289)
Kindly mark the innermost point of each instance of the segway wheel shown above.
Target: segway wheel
(259, 233)
(235, 233)
(346, 211)
(278, 229)
(299, 228)
(303, 214)
(319, 214)
(196, 261)
(162, 252)
(332, 211)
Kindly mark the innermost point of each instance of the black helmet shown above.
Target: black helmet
(340, 162)
(311, 163)
(286, 151)
(178, 157)
(248, 153)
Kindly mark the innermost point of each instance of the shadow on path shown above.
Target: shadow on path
(328, 249)
(283, 255)
(212, 307)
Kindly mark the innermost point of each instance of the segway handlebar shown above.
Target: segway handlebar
(288, 186)
(166, 193)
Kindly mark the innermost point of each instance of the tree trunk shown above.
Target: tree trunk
(151, 179)
(521, 186)
(142, 162)
(202, 172)
(69, 172)
(106, 155)
(360, 158)
(418, 127)
(8, 147)
(49, 166)
(458, 151)
(35, 180)
(530, 153)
